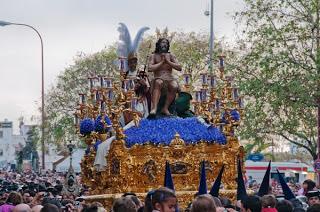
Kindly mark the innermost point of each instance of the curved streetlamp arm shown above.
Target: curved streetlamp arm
(5, 23)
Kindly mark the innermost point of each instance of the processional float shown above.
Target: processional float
(136, 158)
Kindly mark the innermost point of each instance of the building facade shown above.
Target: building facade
(10, 143)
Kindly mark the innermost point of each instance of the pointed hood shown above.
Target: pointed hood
(203, 180)
(216, 185)
(241, 189)
(264, 187)
(168, 182)
(288, 194)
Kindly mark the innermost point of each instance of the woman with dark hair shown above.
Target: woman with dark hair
(307, 185)
(161, 200)
(13, 199)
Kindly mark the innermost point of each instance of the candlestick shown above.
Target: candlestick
(235, 93)
(204, 78)
(198, 96)
(97, 96)
(110, 94)
(187, 78)
(101, 81)
(91, 83)
(125, 85)
(108, 82)
(82, 98)
(76, 119)
(213, 81)
(203, 94)
(221, 61)
(131, 84)
(241, 102)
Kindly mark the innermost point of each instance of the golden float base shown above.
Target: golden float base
(141, 168)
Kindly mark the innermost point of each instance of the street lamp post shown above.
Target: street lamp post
(211, 39)
(5, 23)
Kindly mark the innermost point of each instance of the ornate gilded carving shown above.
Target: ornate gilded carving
(150, 170)
(179, 168)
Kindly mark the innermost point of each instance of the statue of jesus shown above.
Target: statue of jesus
(161, 63)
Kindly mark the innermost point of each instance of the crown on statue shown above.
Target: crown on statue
(164, 34)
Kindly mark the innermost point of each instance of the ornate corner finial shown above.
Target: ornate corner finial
(177, 140)
(164, 34)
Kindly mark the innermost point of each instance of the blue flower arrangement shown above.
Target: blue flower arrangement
(162, 131)
(100, 126)
(86, 126)
(234, 115)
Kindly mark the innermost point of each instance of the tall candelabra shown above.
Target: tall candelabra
(100, 110)
(218, 99)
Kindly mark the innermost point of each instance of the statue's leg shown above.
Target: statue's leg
(157, 86)
(171, 94)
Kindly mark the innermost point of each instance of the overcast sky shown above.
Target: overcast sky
(69, 27)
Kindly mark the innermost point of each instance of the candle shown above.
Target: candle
(107, 82)
(241, 102)
(97, 96)
(101, 82)
(131, 84)
(198, 96)
(187, 79)
(96, 82)
(221, 62)
(204, 79)
(213, 82)
(76, 119)
(203, 95)
(90, 82)
(235, 94)
(82, 99)
(217, 105)
(125, 85)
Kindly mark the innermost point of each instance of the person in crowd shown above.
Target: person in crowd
(26, 197)
(49, 208)
(22, 208)
(313, 197)
(135, 199)
(307, 185)
(284, 206)
(268, 203)
(203, 203)
(160, 200)
(36, 208)
(251, 203)
(13, 199)
(124, 204)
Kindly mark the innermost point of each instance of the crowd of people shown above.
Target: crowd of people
(41, 192)
(46, 193)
